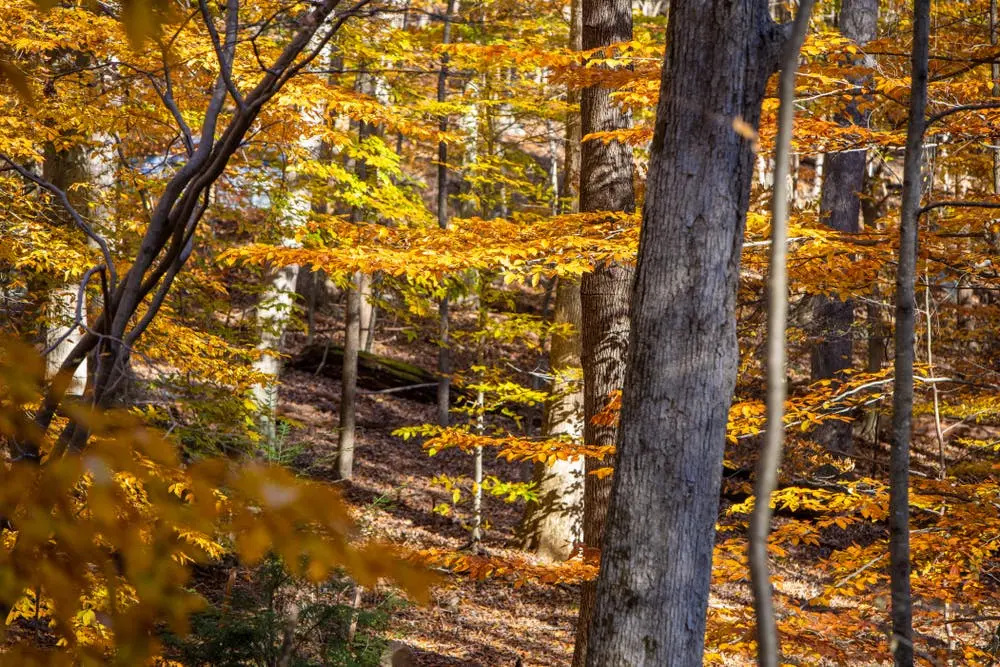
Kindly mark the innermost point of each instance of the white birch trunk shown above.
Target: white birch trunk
(274, 312)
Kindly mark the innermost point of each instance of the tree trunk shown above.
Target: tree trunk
(902, 394)
(277, 303)
(840, 208)
(352, 343)
(68, 170)
(656, 563)
(349, 381)
(553, 526)
(444, 352)
(605, 185)
(273, 314)
(768, 644)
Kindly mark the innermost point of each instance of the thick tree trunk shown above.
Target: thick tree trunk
(657, 558)
(605, 185)
(840, 208)
(554, 525)
(902, 394)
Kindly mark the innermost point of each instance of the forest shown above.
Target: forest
(469, 333)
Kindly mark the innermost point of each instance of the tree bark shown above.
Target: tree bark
(656, 563)
(554, 525)
(902, 394)
(274, 312)
(68, 170)
(444, 352)
(349, 381)
(768, 644)
(352, 342)
(840, 208)
(605, 185)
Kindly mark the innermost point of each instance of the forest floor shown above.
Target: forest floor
(488, 623)
(469, 622)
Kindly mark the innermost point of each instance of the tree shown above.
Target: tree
(902, 392)
(840, 208)
(605, 185)
(657, 557)
(768, 646)
(276, 306)
(553, 526)
(173, 220)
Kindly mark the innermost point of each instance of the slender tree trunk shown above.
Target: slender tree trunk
(656, 563)
(768, 645)
(605, 185)
(554, 525)
(444, 351)
(273, 314)
(277, 303)
(902, 395)
(840, 208)
(349, 381)
(68, 170)
(352, 345)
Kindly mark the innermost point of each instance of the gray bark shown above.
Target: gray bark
(605, 185)
(554, 525)
(656, 563)
(768, 645)
(277, 303)
(840, 208)
(444, 352)
(902, 394)
(349, 381)
(352, 345)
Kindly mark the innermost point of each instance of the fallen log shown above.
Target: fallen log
(376, 374)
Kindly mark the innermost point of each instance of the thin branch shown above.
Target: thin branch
(77, 218)
(768, 643)
(957, 203)
(223, 53)
(978, 106)
(78, 319)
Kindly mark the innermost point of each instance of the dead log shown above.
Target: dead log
(375, 372)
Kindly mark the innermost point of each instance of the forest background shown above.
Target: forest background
(327, 296)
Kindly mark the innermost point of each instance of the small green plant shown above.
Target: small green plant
(280, 621)
(280, 451)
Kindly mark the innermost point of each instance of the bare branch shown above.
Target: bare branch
(951, 111)
(78, 319)
(957, 203)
